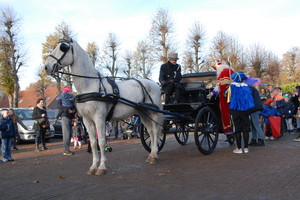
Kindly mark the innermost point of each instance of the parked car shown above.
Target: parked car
(25, 114)
(57, 126)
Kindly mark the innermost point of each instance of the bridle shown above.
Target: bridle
(65, 49)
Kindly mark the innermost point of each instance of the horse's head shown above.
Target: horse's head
(60, 57)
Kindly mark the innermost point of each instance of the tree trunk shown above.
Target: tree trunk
(16, 93)
(10, 100)
(58, 85)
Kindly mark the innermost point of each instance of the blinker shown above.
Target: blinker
(64, 47)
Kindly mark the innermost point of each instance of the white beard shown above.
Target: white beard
(220, 68)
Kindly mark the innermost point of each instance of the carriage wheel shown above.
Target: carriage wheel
(206, 131)
(146, 141)
(182, 133)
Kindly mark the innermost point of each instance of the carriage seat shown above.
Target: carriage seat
(192, 91)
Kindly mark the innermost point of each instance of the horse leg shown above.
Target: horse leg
(92, 135)
(102, 142)
(151, 127)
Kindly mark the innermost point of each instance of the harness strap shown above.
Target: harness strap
(116, 93)
(101, 83)
(144, 90)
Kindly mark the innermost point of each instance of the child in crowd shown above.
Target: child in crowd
(67, 100)
(240, 102)
(269, 111)
(76, 133)
(108, 129)
(7, 133)
(288, 112)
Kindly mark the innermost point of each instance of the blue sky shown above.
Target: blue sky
(273, 23)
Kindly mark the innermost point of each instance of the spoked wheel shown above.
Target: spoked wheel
(182, 133)
(206, 130)
(146, 141)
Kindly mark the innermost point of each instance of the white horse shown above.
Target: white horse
(69, 53)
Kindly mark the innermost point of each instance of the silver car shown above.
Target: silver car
(25, 114)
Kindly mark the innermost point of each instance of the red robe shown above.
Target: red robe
(224, 79)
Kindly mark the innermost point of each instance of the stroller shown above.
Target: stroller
(132, 128)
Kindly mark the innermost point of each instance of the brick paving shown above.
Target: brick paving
(270, 172)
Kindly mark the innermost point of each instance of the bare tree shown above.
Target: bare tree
(128, 57)
(92, 50)
(109, 58)
(10, 24)
(291, 65)
(161, 34)
(195, 43)
(273, 68)
(188, 62)
(228, 49)
(219, 45)
(144, 60)
(43, 83)
(257, 60)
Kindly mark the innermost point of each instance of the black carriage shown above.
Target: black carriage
(194, 113)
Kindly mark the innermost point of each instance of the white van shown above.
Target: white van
(25, 114)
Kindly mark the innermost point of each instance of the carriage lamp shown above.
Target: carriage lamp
(209, 86)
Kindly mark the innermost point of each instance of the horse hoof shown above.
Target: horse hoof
(148, 160)
(153, 161)
(91, 172)
(100, 172)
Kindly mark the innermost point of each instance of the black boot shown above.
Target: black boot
(260, 143)
(252, 143)
(44, 147)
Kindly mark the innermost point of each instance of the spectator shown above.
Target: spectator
(66, 99)
(7, 133)
(289, 111)
(169, 77)
(241, 101)
(256, 130)
(263, 95)
(279, 104)
(269, 111)
(270, 89)
(67, 114)
(108, 129)
(77, 135)
(41, 123)
(16, 120)
(295, 98)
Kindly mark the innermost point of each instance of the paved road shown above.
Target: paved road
(270, 172)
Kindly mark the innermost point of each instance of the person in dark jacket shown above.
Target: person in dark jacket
(288, 112)
(66, 114)
(295, 99)
(169, 78)
(257, 132)
(7, 133)
(16, 119)
(40, 126)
